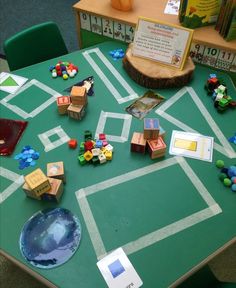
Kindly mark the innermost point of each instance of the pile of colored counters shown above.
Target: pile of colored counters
(227, 175)
(117, 54)
(95, 151)
(27, 157)
(64, 70)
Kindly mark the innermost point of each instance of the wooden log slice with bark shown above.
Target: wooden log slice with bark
(151, 74)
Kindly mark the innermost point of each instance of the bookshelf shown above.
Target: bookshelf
(97, 22)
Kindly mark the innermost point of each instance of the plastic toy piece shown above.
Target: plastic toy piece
(88, 155)
(117, 54)
(87, 135)
(227, 175)
(102, 136)
(72, 143)
(27, 157)
(220, 164)
(64, 70)
(102, 158)
(108, 155)
(218, 91)
(82, 160)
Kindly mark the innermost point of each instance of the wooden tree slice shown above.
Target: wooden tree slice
(151, 74)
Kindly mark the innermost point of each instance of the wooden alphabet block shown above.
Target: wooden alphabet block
(56, 170)
(78, 95)
(138, 143)
(37, 182)
(30, 193)
(54, 194)
(76, 111)
(63, 102)
(156, 148)
(151, 128)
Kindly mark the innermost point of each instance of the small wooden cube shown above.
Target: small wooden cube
(56, 170)
(151, 128)
(78, 95)
(30, 193)
(156, 148)
(63, 102)
(76, 111)
(38, 182)
(54, 194)
(138, 143)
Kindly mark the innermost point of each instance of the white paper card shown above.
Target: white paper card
(191, 145)
(118, 271)
(164, 43)
(11, 83)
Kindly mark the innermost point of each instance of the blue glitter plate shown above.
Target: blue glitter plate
(50, 237)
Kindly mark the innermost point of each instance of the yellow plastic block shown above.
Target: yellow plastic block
(108, 155)
(88, 155)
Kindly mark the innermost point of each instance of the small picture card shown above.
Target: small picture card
(118, 272)
(10, 82)
(191, 145)
(172, 7)
(162, 42)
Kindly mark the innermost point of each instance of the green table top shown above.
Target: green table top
(168, 214)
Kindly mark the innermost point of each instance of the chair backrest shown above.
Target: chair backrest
(204, 278)
(33, 45)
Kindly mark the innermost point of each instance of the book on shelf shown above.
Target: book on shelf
(231, 33)
(226, 22)
(199, 13)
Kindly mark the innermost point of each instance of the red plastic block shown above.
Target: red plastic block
(72, 143)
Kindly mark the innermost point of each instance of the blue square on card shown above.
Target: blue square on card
(116, 268)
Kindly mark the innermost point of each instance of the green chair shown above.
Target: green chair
(204, 278)
(33, 45)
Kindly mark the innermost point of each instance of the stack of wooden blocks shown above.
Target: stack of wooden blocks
(75, 104)
(152, 138)
(49, 188)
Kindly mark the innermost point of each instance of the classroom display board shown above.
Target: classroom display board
(102, 23)
(168, 214)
